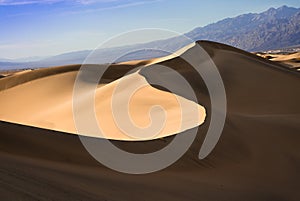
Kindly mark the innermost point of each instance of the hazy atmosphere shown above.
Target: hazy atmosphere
(51, 27)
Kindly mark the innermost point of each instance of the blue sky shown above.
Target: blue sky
(50, 27)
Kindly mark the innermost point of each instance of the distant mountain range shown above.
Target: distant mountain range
(273, 29)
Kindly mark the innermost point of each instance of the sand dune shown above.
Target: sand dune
(292, 59)
(161, 59)
(295, 56)
(257, 157)
(48, 100)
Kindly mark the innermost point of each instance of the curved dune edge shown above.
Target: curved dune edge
(160, 59)
(256, 158)
(46, 102)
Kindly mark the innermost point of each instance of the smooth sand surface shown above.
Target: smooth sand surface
(256, 158)
(46, 102)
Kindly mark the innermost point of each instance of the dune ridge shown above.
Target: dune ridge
(47, 103)
(256, 158)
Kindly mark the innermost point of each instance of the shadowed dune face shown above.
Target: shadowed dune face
(256, 158)
(254, 86)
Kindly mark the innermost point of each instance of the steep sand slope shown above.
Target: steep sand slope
(257, 157)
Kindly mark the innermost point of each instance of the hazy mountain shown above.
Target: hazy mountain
(107, 55)
(269, 30)
(272, 29)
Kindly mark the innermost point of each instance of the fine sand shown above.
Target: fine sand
(256, 158)
(48, 100)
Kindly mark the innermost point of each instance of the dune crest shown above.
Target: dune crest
(256, 158)
(47, 103)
